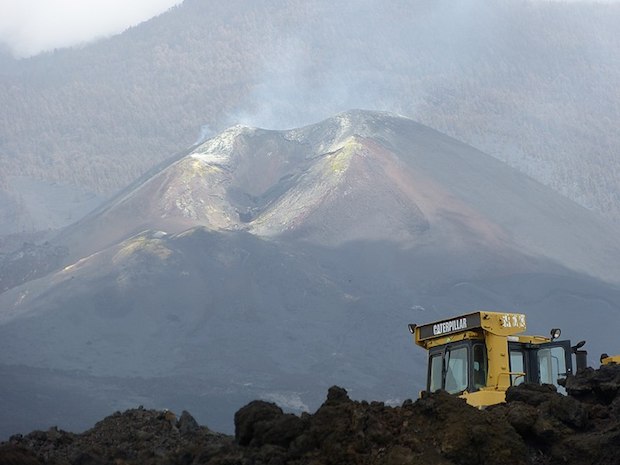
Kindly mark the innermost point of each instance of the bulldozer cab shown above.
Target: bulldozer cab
(479, 355)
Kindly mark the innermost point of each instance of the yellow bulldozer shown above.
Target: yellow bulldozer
(478, 356)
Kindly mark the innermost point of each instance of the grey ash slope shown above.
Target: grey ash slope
(274, 264)
(360, 175)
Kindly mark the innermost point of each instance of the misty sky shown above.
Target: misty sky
(28, 27)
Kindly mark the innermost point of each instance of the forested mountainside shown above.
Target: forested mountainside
(533, 83)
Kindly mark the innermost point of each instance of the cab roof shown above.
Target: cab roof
(498, 323)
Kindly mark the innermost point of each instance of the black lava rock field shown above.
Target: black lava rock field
(536, 425)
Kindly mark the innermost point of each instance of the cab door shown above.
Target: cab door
(553, 361)
(449, 368)
(458, 367)
(540, 363)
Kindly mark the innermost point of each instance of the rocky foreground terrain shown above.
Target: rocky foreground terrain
(536, 425)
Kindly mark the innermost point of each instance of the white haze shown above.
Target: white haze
(29, 27)
(290, 92)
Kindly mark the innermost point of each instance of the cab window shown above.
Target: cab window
(480, 367)
(517, 367)
(435, 374)
(457, 370)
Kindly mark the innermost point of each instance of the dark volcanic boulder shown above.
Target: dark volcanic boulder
(595, 386)
(11, 454)
(539, 410)
(532, 394)
(464, 434)
(137, 436)
(187, 424)
(260, 423)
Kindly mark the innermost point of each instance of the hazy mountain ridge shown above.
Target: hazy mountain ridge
(274, 264)
(532, 83)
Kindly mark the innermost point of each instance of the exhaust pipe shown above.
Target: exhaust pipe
(581, 356)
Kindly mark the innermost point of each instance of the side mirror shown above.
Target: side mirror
(578, 346)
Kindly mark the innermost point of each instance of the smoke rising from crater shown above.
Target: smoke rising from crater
(368, 55)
